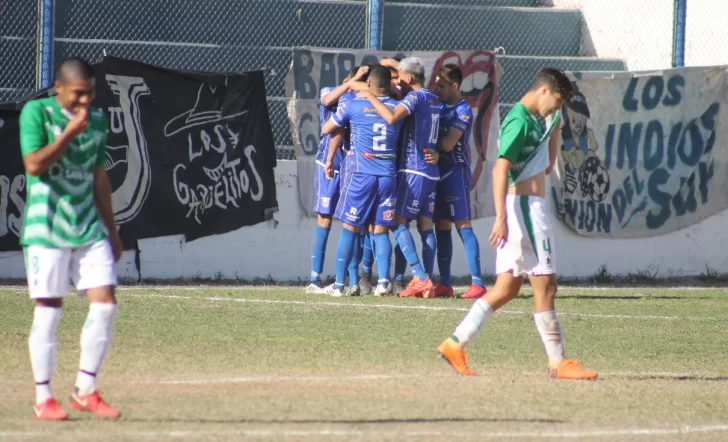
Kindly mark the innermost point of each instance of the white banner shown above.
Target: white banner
(313, 69)
(643, 153)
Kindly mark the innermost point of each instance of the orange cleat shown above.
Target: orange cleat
(93, 403)
(570, 369)
(50, 410)
(418, 288)
(453, 353)
(444, 291)
(474, 292)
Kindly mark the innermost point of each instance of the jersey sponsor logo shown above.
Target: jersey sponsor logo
(415, 204)
(353, 211)
(465, 117)
(369, 110)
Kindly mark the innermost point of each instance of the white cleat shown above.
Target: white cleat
(383, 289)
(333, 291)
(316, 288)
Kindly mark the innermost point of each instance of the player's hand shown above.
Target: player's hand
(365, 94)
(432, 156)
(499, 234)
(549, 169)
(361, 72)
(117, 247)
(78, 124)
(329, 170)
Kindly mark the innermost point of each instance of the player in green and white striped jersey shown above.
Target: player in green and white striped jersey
(68, 204)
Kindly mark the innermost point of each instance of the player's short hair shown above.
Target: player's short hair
(353, 72)
(451, 73)
(380, 76)
(74, 68)
(556, 80)
(414, 67)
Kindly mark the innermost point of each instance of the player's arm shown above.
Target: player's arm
(340, 118)
(391, 116)
(335, 143)
(102, 199)
(553, 148)
(450, 140)
(37, 156)
(511, 141)
(334, 94)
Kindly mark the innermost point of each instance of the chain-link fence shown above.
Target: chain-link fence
(18, 36)
(224, 36)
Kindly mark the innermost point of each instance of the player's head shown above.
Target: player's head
(447, 83)
(379, 78)
(412, 71)
(74, 84)
(392, 64)
(553, 89)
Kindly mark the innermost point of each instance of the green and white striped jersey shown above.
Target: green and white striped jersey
(59, 209)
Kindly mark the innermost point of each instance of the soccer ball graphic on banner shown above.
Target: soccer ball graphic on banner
(594, 180)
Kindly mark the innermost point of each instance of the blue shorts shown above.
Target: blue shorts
(453, 195)
(325, 191)
(367, 199)
(415, 195)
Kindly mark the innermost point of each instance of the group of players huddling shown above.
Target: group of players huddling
(391, 152)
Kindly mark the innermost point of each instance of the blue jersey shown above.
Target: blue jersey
(373, 141)
(459, 116)
(420, 132)
(325, 113)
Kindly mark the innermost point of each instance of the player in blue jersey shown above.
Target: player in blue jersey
(326, 191)
(368, 194)
(418, 172)
(453, 190)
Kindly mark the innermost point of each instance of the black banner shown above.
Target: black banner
(188, 153)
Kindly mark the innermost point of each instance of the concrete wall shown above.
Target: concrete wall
(282, 250)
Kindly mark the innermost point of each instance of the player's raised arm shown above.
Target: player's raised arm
(37, 157)
(391, 116)
(352, 82)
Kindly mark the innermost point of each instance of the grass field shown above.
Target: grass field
(262, 363)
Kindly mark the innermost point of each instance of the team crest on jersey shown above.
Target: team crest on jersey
(432, 207)
(325, 201)
(465, 117)
(388, 215)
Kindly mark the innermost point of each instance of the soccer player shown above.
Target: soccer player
(327, 190)
(521, 232)
(68, 204)
(453, 190)
(368, 194)
(418, 171)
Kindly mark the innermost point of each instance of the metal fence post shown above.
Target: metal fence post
(375, 10)
(44, 69)
(678, 43)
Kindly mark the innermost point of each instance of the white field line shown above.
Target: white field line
(570, 434)
(416, 307)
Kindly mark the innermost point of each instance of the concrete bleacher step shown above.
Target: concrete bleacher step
(520, 31)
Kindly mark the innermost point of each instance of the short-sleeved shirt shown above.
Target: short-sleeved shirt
(373, 140)
(519, 140)
(325, 113)
(420, 132)
(60, 211)
(459, 116)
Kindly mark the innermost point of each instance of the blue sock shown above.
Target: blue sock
(428, 250)
(367, 260)
(343, 255)
(444, 255)
(407, 244)
(472, 253)
(362, 240)
(383, 252)
(400, 264)
(354, 263)
(318, 251)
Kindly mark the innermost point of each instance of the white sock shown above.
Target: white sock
(549, 328)
(474, 321)
(95, 340)
(42, 345)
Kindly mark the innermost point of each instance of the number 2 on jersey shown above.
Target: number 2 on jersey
(378, 142)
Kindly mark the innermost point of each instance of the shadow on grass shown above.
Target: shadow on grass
(676, 377)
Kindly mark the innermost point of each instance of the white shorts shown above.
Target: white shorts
(50, 270)
(529, 249)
